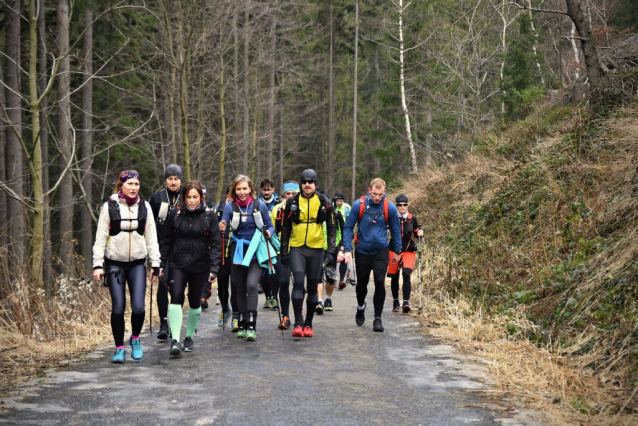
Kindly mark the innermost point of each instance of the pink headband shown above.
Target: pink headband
(131, 174)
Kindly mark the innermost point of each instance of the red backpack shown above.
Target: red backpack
(362, 202)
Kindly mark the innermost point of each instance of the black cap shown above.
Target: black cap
(309, 174)
(173, 170)
(402, 198)
(339, 196)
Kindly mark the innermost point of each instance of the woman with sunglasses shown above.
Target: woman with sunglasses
(409, 229)
(125, 238)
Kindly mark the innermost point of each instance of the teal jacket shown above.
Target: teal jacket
(261, 248)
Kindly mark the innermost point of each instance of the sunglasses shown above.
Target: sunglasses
(402, 204)
(308, 182)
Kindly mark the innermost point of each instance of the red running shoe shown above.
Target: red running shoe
(307, 331)
(297, 331)
(342, 285)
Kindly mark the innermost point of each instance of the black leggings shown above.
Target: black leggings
(246, 279)
(305, 262)
(177, 281)
(133, 274)
(407, 285)
(377, 264)
(283, 286)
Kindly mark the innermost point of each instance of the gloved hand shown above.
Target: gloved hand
(330, 259)
(156, 271)
(285, 260)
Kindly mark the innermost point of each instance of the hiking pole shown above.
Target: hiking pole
(150, 321)
(419, 249)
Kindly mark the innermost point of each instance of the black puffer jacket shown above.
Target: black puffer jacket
(191, 240)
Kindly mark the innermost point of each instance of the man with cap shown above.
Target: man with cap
(343, 208)
(409, 229)
(281, 286)
(374, 214)
(162, 202)
(302, 247)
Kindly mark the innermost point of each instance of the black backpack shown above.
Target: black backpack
(115, 218)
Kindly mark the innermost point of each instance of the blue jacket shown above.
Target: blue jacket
(272, 203)
(247, 229)
(372, 232)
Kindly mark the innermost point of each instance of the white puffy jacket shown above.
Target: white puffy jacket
(126, 246)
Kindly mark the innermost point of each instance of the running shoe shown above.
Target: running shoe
(204, 304)
(241, 334)
(396, 306)
(360, 316)
(319, 308)
(224, 318)
(406, 307)
(176, 348)
(118, 357)
(188, 344)
(297, 331)
(307, 331)
(267, 303)
(251, 335)
(342, 285)
(235, 323)
(273, 303)
(377, 324)
(136, 349)
(285, 323)
(164, 332)
(328, 305)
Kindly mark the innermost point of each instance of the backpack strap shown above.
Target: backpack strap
(362, 202)
(115, 218)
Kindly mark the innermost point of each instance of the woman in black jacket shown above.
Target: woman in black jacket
(192, 245)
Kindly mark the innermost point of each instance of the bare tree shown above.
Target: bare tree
(354, 104)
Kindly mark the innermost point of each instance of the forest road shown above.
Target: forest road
(345, 375)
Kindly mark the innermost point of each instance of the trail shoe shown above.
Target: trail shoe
(188, 344)
(297, 331)
(406, 307)
(118, 357)
(328, 305)
(396, 306)
(360, 316)
(176, 348)
(319, 308)
(285, 323)
(251, 335)
(235, 323)
(204, 304)
(224, 318)
(267, 303)
(241, 334)
(377, 324)
(273, 303)
(342, 285)
(164, 332)
(136, 349)
(307, 331)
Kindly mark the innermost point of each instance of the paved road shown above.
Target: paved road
(345, 375)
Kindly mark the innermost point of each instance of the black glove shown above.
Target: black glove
(330, 259)
(156, 271)
(285, 260)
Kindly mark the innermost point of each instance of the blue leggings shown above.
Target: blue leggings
(133, 274)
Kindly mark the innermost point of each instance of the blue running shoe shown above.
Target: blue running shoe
(224, 318)
(118, 357)
(136, 349)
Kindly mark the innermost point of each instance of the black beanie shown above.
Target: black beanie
(402, 198)
(339, 196)
(173, 170)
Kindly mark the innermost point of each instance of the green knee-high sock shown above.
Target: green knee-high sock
(193, 321)
(175, 320)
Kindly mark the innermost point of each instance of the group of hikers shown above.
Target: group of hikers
(249, 243)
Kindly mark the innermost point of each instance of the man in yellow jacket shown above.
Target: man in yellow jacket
(302, 247)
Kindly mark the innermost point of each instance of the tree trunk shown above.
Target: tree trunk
(65, 191)
(4, 237)
(271, 95)
(183, 92)
(14, 156)
(281, 148)
(172, 114)
(246, 89)
(86, 222)
(590, 54)
(404, 104)
(222, 149)
(354, 102)
(331, 104)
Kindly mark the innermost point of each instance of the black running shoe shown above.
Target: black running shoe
(163, 331)
(188, 344)
(328, 305)
(396, 306)
(377, 324)
(204, 304)
(176, 348)
(360, 317)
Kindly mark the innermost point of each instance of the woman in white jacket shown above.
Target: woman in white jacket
(125, 238)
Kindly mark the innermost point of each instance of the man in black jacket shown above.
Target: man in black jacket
(162, 202)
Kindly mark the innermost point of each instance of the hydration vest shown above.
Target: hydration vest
(115, 218)
(165, 206)
(325, 205)
(235, 221)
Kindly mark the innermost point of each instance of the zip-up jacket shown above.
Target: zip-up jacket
(125, 246)
(409, 229)
(274, 200)
(163, 196)
(246, 229)
(303, 220)
(372, 231)
(191, 240)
